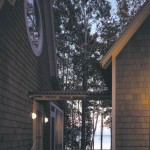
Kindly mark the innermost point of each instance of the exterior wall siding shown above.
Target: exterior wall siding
(20, 72)
(133, 92)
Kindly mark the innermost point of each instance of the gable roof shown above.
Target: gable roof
(116, 48)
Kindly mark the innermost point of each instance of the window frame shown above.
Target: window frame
(37, 50)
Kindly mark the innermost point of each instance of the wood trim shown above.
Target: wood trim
(113, 103)
(50, 34)
(37, 108)
(69, 95)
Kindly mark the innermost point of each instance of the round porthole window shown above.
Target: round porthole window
(34, 25)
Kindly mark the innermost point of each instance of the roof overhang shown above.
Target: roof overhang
(61, 95)
(126, 35)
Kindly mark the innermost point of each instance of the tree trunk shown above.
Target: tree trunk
(102, 130)
(83, 139)
(83, 145)
(92, 141)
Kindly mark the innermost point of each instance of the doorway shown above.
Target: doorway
(56, 127)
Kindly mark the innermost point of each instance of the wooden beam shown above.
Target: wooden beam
(69, 96)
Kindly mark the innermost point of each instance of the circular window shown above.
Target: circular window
(34, 25)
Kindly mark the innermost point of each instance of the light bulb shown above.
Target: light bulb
(33, 116)
(46, 119)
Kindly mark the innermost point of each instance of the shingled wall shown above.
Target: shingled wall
(133, 92)
(20, 72)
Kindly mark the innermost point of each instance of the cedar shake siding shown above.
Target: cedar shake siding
(133, 92)
(20, 72)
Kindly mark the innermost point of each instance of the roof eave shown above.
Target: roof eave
(126, 35)
(104, 63)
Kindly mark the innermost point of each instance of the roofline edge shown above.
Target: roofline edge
(130, 29)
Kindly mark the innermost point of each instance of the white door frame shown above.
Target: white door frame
(53, 115)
